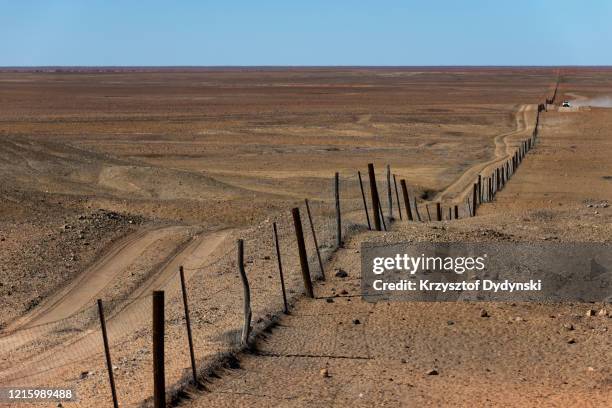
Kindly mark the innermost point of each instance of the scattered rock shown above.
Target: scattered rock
(433, 371)
(603, 313)
(85, 374)
(344, 292)
(519, 319)
(450, 322)
(484, 313)
(571, 341)
(329, 300)
(568, 326)
(590, 312)
(341, 273)
(324, 373)
(356, 321)
(403, 360)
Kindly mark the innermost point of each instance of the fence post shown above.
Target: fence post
(406, 200)
(399, 206)
(456, 212)
(374, 194)
(474, 199)
(299, 234)
(389, 195)
(188, 324)
(480, 195)
(314, 238)
(159, 375)
(280, 269)
(365, 205)
(428, 214)
(450, 213)
(246, 327)
(109, 364)
(439, 211)
(338, 219)
(382, 217)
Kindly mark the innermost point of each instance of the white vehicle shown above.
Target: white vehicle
(565, 104)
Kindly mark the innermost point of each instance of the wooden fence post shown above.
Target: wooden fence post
(389, 195)
(365, 205)
(439, 211)
(374, 193)
(280, 269)
(159, 374)
(246, 327)
(382, 216)
(338, 219)
(109, 364)
(456, 212)
(188, 324)
(428, 213)
(314, 238)
(406, 200)
(474, 199)
(299, 234)
(399, 206)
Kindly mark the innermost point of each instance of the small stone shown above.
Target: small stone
(433, 371)
(85, 374)
(324, 373)
(344, 292)
(571, 341)
(403, 360)
(329, 300)
(590, 369)
(356, 321)
(341, 273)
(519, 319)
(603, 313)
(590, 313)
(484, 313)
(568, 326)
(450, 322)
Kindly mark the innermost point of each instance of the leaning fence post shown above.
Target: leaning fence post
(188, 324)
(338, 219)
(375, 201)
(382, 217)
(365, 205)
(399, 206)
(314, 238)
(159, 376)
(299, 234)
(389, 195)
(280, 269)
(406, 200)
(428, 214)
(109, 364)
(246, 327)
(439, 211)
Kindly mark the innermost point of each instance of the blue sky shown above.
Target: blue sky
(530, 32)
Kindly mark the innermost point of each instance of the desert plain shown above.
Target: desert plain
(112, 178)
